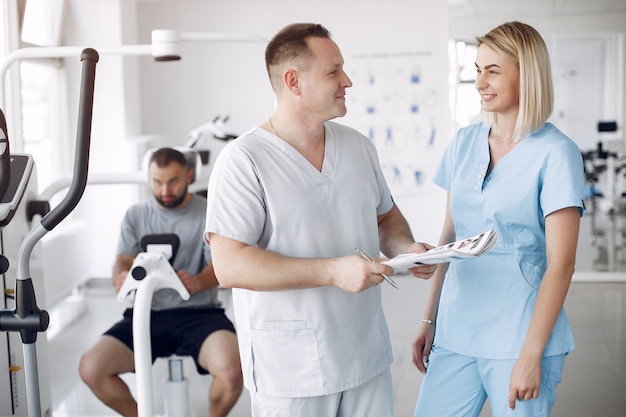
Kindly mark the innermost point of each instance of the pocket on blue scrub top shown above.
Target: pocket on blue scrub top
(286, 359)
(532, 269)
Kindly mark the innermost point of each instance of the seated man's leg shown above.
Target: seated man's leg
(219, 355)
(209, 336)
(100, 368)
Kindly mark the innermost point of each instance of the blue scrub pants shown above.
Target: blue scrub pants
(372, 399)
(457, 386)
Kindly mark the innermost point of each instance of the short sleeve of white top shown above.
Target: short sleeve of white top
(487, 303)
(264, 193)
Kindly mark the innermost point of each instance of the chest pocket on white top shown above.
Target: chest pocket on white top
(286, 359)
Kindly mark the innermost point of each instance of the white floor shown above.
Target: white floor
(594, 380)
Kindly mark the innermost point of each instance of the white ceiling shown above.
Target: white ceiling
(534, 8)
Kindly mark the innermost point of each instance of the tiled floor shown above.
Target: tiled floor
(594, 379)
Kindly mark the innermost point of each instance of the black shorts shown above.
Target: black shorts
(179, 331)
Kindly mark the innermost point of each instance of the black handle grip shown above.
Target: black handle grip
(5, 157)
(89, 58)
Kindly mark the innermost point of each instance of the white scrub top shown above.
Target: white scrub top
(262, 192)
(487, 303)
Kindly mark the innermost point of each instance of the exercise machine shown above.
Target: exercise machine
(17, 174)
(27, 318)
(208, 140)
(150, 271)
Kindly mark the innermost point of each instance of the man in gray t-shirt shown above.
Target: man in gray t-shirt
(196, 327)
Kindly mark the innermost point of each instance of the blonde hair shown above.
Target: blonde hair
(523, 45)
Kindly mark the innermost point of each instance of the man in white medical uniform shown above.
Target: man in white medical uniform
(288, 202)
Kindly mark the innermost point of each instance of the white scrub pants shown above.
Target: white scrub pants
(457, 386)
(372, 399)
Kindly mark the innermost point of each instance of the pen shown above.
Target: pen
(368, 258)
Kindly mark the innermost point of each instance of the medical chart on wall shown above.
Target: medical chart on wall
(393, 101)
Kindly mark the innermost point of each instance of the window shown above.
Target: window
(41, 118)
(464, 99)
(40, 93)
(41, 24)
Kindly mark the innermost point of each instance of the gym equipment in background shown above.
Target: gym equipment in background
(27, 318)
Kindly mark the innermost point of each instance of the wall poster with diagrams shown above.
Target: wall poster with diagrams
(396, 101)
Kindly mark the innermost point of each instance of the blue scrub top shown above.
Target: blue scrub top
(487, 303)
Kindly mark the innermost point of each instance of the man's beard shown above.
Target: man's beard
(174, 203)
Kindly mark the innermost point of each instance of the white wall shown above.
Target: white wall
(230, 79)
(116, 118)
(139, 103)
(137, 98)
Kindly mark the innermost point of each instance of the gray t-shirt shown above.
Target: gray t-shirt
(187, 223)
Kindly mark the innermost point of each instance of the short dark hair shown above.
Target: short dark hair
(290, 43)
(165, 156)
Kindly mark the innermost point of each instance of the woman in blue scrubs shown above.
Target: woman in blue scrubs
(494, 326)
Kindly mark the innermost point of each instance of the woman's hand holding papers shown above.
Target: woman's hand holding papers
(421, 271)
